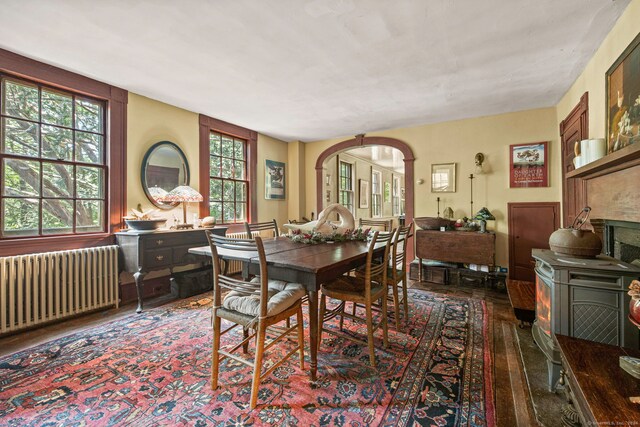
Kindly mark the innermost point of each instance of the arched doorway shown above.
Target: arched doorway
(361, 140)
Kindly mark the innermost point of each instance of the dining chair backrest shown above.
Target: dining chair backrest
(376, 267)
(259, 227)
(222, 282)
(399, 248)
(380, 224)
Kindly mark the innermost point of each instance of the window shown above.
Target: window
(346, 185)
(228, 186)
(228, 169)
(376, 194)
(395, 196)
(52, 161)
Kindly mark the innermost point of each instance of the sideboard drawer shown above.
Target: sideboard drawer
(158, 258)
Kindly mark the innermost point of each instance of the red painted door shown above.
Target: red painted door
(530, 225)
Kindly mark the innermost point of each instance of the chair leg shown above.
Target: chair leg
(396, 307)
(245, 335)
(342, 316)
(215, 355)
(353, 312)
(385, 330)
(257, 368)
(405, 301)
(323, 309)
(372, 355)
(300, 336)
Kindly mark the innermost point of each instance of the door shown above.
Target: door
(572, 129)
(530, 225)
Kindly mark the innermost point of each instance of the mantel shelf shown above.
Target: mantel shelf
(622, 159)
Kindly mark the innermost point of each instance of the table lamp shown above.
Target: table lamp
(483, 216)
(182, 194)
(157, 193)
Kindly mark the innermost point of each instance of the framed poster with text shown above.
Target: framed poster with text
(529, 165)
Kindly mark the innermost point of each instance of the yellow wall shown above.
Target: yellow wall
(592, 79)
(272, 149)
(148, 122)
(459, 141)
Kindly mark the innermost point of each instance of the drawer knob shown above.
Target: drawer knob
(160, 241)
(160, 257)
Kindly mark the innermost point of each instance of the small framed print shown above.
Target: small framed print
(274, 180)
(443, 178)
(363, 202)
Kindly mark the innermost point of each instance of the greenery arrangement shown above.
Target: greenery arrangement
(314, 237)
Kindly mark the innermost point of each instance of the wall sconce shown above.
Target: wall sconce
(420, 181)
(479, 159)
(327, 180)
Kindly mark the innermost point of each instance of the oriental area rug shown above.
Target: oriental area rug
(153, 369)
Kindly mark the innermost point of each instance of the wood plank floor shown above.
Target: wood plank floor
(513, 407)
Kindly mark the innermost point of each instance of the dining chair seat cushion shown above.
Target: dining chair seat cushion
(281, 295)
(349, 288)
(399, 273)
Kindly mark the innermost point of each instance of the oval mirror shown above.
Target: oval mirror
(164, 168)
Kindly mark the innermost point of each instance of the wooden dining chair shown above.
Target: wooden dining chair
(361, 289)
(397, 273)
(255, 305)
(260, 227)
(379, 224)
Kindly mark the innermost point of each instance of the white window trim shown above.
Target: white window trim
(352, 191)
(377, 195)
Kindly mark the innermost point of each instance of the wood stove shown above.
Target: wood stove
(582, 298)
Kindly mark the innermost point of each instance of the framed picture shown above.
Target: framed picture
(623, 99)
(363, 202)
(274, 180)
(443, 178)
(387, 192)
(529, 165)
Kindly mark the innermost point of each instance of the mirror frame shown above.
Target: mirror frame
(143, 174)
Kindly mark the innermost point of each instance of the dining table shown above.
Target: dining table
(308, 264)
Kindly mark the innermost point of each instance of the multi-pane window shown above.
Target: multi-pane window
(395, 196)
(376, 194)
(228, 185)
(52, 161)
(346, 185)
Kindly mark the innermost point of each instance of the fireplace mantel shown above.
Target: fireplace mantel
(625, 158)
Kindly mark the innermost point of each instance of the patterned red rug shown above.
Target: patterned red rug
(153, 369)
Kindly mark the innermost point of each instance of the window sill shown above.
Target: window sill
(29, 245)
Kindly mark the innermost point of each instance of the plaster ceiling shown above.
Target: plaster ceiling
(386, 157)
(315, 69)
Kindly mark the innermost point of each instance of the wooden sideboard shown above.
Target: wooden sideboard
(464, 247)
(596, 387)
(145, 251)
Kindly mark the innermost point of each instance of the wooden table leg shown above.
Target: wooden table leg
(313, 332)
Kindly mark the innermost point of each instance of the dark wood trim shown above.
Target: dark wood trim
(22, 246)
(208, 124)
(624, 158)
(569, 184)
(116, 132)
(359, 141)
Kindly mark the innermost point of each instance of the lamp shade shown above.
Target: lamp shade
(484, 214)
(157, 192)
(183, 193)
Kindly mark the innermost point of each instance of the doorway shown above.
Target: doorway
(359, 141)
(530, 225)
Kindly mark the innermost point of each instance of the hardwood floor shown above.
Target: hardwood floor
(513, 406)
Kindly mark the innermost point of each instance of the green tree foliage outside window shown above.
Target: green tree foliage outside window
(52, 163)
(228, 185)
